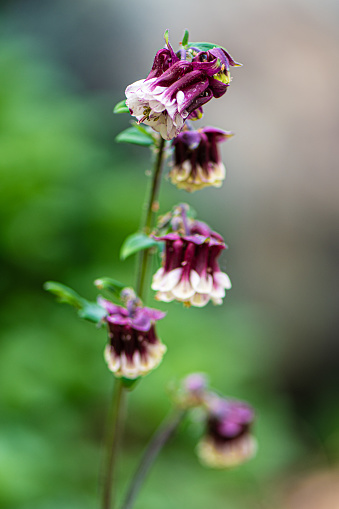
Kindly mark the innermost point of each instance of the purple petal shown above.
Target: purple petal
(111, 308)
(141, 320)
(155, 314)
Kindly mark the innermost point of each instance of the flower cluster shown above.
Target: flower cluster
(190, 271)
(228, 441)
(177, 87)
(133, 349)
(197, 161)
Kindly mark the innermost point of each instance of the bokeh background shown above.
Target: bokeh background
(69, 195)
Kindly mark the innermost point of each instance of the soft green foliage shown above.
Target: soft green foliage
(136, 135)
(121, 107)
(90, 311)
(136, 242)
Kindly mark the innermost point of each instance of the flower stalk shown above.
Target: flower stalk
(114, 432)
(115, 415)
(152, 207)
(164, 433)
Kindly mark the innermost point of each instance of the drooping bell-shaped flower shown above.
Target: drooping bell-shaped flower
(190, 271)
(134, 348)
(228, 441)
(197, 162)
(178, 86)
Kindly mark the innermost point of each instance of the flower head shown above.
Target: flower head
(190, 272)
(228, 441)
(197, 161)
(133, 349)
(177, 87)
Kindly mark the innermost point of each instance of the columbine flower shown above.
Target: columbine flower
(133, 349)
(228, 441)
(177, 87)
(190, 272)
(197, 161)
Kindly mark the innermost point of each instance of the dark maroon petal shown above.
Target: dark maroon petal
(190, 138)
(218, 87)
(162, 61)
(208, 68)
(192, 84)
(199, 101)
(173, 74)
(196, 114)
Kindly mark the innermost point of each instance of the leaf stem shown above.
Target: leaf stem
(165, 431)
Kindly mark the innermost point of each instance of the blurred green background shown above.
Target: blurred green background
(69, 196)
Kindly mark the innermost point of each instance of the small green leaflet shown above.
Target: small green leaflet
(111, 285)
(88, 310)
(121, 107)
(184, 41)
(136, 242)
(135, 136)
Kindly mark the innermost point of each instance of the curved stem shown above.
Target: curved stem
(160, 438)
(152, 208)
(113, 439)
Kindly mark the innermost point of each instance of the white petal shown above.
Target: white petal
(199, 300)
(222, 279)
(205, 284)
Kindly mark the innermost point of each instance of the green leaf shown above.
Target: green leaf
(185, 38)
(64, 294)
(121, 107)
(135, 136)
(136, 242)
(166, 36)
(202, 46)
(88, 310)
(109, 284)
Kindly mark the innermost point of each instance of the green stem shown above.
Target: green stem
(160, 438)
(113, 440)
(115, 413)
(152, 208)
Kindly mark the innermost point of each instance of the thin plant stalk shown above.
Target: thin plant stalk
(152, 208)
(115, 415)
(160, 438)
(114, 433)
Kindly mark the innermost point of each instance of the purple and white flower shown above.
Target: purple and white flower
(177, 87)
(190, 272)
(134, 348)
(228, 441)
(197, 162)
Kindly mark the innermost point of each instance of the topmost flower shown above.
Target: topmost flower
(178, 85)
